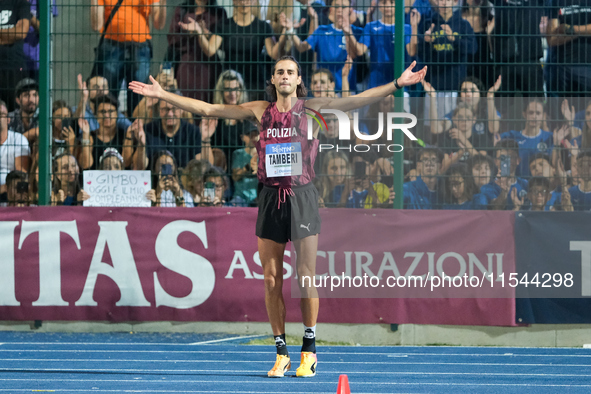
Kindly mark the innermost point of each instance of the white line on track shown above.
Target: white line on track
(110, 360)
(261, 380)
(282, 392)
(328, 353)
(227, 339)
(225, 371)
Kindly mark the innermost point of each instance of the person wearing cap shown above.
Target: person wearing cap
(14, 25)
(26, 116)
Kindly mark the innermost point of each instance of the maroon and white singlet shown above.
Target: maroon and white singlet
(286, 156)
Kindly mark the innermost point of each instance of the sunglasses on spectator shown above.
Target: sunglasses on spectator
(232, 89)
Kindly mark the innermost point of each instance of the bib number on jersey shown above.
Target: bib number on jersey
(283, 159)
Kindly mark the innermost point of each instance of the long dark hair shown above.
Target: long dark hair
(301, 90)
(463, 171)
(57, 184)
(481, 112)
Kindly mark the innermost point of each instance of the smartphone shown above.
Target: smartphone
(209, 191)
(22, 187)
(505, 165)
(166, 169)
(388, 180)
(167, 68)
(69, 122)
(360, 170)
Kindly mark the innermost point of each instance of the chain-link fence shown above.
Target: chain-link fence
(503, 118)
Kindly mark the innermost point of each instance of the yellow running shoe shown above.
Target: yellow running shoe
(307, 367)
(282, 365)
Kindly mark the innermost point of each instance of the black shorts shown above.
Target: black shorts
(296, 218)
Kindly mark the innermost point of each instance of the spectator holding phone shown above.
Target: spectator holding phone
(169, 191)
(193, 178)
(214, 188)
(63, 129)
(460, 190)
(508, 160)
(17, 183)
(361, 191)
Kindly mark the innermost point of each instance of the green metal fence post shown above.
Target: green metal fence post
(44, 103)
(399, 49)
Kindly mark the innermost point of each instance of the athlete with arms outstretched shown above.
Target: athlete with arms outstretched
(288, 202)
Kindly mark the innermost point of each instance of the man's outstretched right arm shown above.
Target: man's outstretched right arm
(247, 111)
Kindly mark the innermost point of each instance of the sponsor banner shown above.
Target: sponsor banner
(413, 254)
(553, 252)
(202, 264)
(553, 267)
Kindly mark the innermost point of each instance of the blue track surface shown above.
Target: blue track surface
(191, 363)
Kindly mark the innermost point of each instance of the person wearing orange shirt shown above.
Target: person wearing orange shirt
(126, 50)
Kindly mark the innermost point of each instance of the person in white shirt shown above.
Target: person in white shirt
(14, 150)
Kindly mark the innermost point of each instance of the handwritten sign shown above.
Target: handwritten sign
(117, 188)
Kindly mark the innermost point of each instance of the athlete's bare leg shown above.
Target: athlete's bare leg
(271, 255)
(306, 249)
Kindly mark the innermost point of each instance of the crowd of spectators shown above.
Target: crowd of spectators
(504, 123)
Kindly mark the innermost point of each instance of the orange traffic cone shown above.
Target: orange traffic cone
(343, 387)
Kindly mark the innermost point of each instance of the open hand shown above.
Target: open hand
(409, 77)
(154, 90)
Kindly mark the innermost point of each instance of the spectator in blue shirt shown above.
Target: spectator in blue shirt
(331, 45)
(182, 139)
(507, 160)
(361, 191)
(445, 41)
(483, 170)
(537, 197)
(578, 197)
(379, 37)
(424, 192)
(90, 90)
(540, 166)
(532, 139)
(460, 190)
